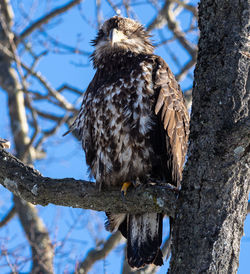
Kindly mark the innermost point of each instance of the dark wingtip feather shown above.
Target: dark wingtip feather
(159, 258)
(139, 261)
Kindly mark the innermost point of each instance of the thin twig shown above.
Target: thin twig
(69, 49)
(45, 19)
(8, 216)
(47, 134)
(114, 7)
(61, 99)
(191, 8)
(185, 70)
(70, 88)
(97, 254)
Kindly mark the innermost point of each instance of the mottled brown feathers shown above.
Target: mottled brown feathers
(133, 125)
(174, 116)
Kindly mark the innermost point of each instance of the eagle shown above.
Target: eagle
(133, 125)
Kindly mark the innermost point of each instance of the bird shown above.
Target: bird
(133, 125)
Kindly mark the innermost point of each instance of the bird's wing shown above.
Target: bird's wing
(171, 108)
(83, 126)
(77, 124)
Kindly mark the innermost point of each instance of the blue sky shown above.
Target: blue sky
(65, 158)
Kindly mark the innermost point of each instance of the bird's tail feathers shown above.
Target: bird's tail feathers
(144, 239)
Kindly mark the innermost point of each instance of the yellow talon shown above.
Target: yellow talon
(124, 188)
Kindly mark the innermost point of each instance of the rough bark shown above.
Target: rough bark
(213, 201)
(28, 184)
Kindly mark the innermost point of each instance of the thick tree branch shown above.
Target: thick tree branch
(36, 232)
(30, 185)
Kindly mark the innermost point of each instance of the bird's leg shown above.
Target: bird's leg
(124, 188)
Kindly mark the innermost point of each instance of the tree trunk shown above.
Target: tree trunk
(213, 201)
(35, 230)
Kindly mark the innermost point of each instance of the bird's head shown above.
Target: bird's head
(120, 35)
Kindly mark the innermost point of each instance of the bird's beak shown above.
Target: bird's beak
(116, 36)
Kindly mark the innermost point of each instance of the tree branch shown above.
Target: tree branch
(191, 8)
(45, 19)
(37, 234)
(30, 185)
(8, 216)
(7, 11)
(97, 254)
(166, 15)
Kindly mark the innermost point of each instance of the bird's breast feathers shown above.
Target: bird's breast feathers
(118, 116)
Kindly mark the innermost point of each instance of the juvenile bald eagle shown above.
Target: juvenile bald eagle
(133, 124)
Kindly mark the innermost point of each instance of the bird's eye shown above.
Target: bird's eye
(101, 33)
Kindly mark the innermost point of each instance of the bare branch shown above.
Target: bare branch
(37, 234)
(7, 11)
(45, 19)
(114, 7)
(185, 69)
(173, 26)
(61, 99)
(97, 254)
(49, 116)
(98, 13)
(126, 4)
(30, 185)
(166, 15)
(191, 8)
(8, 216)
(52, 131)
(188, 98)
(42, 251)
(37, 58)
(68, 48)
(70, 88)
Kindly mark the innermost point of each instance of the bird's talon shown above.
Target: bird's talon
(124, 188)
